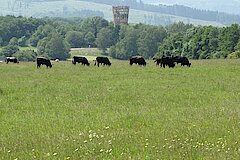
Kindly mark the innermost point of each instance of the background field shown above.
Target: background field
(120, 112)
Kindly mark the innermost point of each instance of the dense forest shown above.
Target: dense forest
(53, 38)
(177, 10)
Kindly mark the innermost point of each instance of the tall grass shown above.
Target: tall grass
(120, 112)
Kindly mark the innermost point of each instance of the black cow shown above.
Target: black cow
(102, 60)
(137, 60)
(11, 59)
(183, 60)
(165, 61)
(43, 61)
(82, 60)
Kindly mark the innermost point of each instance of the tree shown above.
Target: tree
(57, 48)
(9, 50)
(149, 40)
(127, 45)
(75, 39)
(27, 55)
(93, 25)
(22, 41)
(41, 32)
(90, 39)
(104, 39)
(13, 41)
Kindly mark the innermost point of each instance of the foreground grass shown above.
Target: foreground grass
(120, 112)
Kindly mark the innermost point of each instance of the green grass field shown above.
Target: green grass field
(120, 112)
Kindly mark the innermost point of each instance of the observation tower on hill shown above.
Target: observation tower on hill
(120, 14)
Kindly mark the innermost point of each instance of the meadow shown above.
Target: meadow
(120, 112)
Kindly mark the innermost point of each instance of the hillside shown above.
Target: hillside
(74, 8)
(228, 6)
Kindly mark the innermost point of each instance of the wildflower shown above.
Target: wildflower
(101, 150)
(68, 158)
(90, 136)
(102, 136)
(107, 127)
(76, 150)
(90, 131)
(85, 141)
(55, 154)
(33, 150)
(146, 139)
(16, 159)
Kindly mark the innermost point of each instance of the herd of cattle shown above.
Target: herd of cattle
(162, 62)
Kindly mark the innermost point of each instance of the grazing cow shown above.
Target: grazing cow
(102, 60)
(43, 61)
(137, 60)
(158, 61)
(183, 60)
(11, 59)
(165, 61)
(82, 60)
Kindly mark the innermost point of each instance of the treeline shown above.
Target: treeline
(177, 10)
(203, 42)
(54, 37)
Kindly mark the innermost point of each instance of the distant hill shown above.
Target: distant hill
(76, 8)
(228, 6)
(176, 10)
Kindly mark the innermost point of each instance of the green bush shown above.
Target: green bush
(27, 55)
